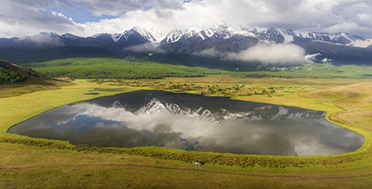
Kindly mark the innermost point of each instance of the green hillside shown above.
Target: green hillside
(132, 68)
(8, 75)
(22, 56)
(113, 68)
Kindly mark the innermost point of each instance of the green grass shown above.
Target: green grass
(46, 169)
(97, 68)
(116, 68)
(28, 162)
(32, 84)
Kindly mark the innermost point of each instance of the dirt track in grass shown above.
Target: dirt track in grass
(185, 169)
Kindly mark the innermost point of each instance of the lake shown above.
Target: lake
(192, 122)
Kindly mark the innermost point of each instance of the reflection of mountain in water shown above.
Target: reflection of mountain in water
(267, 112)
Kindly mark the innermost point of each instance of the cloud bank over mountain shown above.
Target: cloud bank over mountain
(24, 18)
(282, 54)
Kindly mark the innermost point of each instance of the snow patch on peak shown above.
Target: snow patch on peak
(346, 36)
(301, 34)
(146, 33)
(156, 34)
(150, 34)
(209, 32)
(287, 37)
(175, 35)
(200, 35)
(116, 36)
(243, 31)
(138, 30)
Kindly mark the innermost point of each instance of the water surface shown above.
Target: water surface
(192, 122)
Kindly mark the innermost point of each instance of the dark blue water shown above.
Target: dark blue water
(192, 122)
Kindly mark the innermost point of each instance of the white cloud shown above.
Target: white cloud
(325, 60)
(147, 47)
(30, 19)
(19, 16)
(283, 54)
(117, 8)
(212, 53)
(303, 15)
(360, 43)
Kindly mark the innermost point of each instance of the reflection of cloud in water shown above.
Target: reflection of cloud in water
(168, 125)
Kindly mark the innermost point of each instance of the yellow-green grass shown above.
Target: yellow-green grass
(32, 84)
(65, 169)
(32, 166)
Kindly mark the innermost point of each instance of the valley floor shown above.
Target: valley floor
(346, 101)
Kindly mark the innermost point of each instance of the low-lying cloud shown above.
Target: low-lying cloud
(283, 54)
(147, 47)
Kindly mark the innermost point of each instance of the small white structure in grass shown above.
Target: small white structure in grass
(196, 162)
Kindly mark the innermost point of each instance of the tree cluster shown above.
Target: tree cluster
(7, 75)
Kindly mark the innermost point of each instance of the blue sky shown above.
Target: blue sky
(80, 14)
(90, 17)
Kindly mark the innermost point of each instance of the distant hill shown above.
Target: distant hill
(12, 73)
(17, 80)
(27, 55)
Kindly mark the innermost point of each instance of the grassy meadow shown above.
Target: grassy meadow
(101, 68)
(41, 163)
(132, 68)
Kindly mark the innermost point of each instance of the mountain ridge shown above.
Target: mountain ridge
(153, 35)
(341, 47)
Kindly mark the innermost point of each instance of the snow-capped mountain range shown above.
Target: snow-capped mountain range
(270, 34)
(188, 41)
(222, 30)
(150, 35)
(219, 30)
